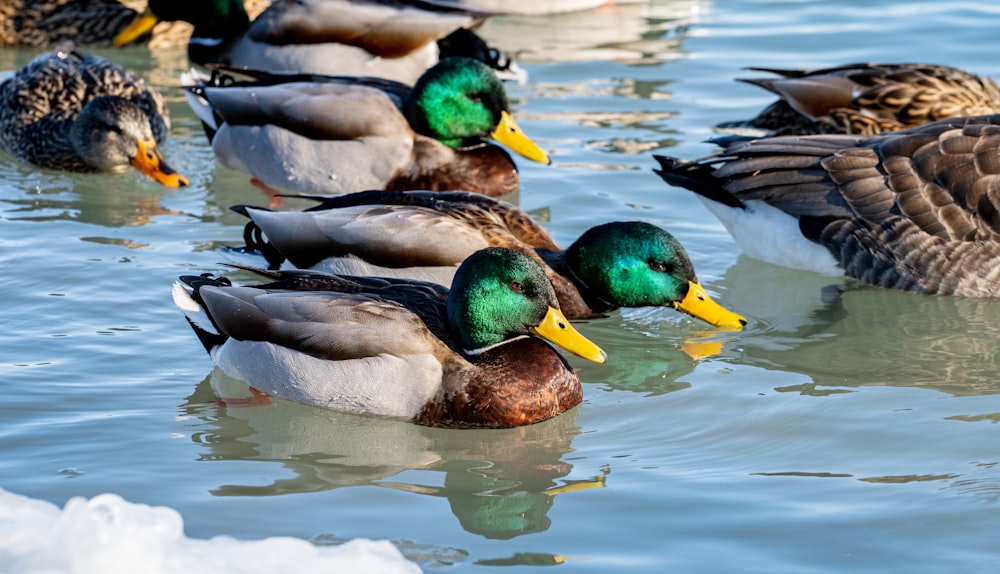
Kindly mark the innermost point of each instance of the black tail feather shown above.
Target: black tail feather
(697, 177)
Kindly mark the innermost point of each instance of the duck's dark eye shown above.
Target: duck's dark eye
(516, 287)
(476, 97)
(659, 266)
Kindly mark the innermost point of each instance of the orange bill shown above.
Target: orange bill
(140, 26)
(149, 161)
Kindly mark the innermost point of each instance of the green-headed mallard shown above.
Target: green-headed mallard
(73, 111)
(867, 99)
(328, 134)
(426, 235)
(397, 40)
(916, 209)
(472, 355)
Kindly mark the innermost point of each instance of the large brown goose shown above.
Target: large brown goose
(867, 99)
(916, 209)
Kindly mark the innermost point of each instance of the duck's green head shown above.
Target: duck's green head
(635, 264)
(500, 294)
(460, 101)
(217, 19)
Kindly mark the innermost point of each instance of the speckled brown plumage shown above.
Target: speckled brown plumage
(39, 105)
(917, 209)
(41, 23)
(867, 99)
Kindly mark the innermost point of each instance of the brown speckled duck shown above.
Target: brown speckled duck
(916, 209)
(867, 99)
(469, 356)
(426, 235)
(42, 23)
(73, 111)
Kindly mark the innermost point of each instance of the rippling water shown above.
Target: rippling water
(846, 429)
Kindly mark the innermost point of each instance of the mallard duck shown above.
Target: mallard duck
(41, 23)
(397, 40)
(472, 355)
(916, 209)
(868, 99)
(74, 111)
(340, 134)
(426, 235)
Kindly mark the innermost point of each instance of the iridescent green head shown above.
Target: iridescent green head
(632, 264)
(500, 294)
(635, 264)
(460, 102)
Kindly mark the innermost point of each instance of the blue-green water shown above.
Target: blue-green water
(843, 430)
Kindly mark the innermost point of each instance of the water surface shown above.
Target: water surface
(846, 429)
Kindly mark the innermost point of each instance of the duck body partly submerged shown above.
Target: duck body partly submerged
(867, 99)
(426, 235)
(73, 111)
(395, 40)
(468, 356)
(915, 210)
(337, 134)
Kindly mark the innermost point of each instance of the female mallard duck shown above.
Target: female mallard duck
(915, 209)
(73, 111)
(425, 235)
(329, 134)
(868, 99)
(472, 355)
(40, 23)
(396, 40)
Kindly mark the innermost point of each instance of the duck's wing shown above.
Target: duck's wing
(917, 209)
(875, 98)
(385, 29)
(360, 352)
(394, 229)
(472, 205)
(311, 136)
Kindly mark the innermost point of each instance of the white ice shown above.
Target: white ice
(109, 535)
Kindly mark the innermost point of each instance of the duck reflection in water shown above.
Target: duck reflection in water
(845, 334)
(500, 483)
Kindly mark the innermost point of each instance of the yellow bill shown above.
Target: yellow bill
(557, 330)
(509, 134)
(140, 26)
(149, 161)
(698, 304)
